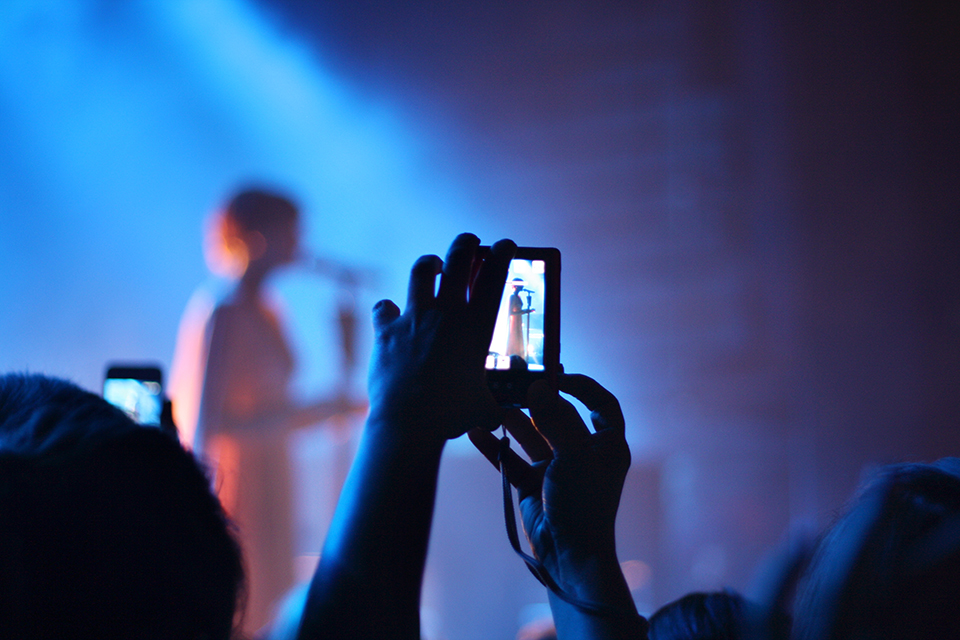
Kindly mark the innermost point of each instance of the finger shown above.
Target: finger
(605, 412)
(456, 271)
(556, 419)
(384, 312)
(423, 281)
(487, 291)
(486, 413)
(481, 256)
(522, 429)
(487, 444)
(519, 473)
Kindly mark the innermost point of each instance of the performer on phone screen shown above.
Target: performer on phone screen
(515, 343)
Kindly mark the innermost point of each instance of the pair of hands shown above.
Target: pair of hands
(427, 381)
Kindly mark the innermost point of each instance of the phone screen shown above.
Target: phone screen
(141, 397)
(518, 338)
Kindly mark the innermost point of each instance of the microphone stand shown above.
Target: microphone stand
(529, 310)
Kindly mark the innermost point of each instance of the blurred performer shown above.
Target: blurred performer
(230, 387)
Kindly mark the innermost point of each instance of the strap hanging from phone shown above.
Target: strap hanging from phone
(536, 567)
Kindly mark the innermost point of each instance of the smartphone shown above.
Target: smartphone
(526, 339)
(138, 390)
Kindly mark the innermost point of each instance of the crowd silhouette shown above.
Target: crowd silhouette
(113, 530)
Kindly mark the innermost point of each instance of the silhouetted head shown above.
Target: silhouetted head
(890, 565)
(256, 229)
(108, 529)
(717, 615)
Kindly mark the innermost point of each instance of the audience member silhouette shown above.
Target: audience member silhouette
(108, 529)
(715, 615)
(240, 371)
(889, 568)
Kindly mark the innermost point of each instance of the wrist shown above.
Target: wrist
(596, 603)
(596, 578)
(411, 436)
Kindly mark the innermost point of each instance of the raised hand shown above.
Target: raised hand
(569, 495)
(426, 385)
(427, 370)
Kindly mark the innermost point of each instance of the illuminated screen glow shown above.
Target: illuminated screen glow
(518, 335)
(140, 399)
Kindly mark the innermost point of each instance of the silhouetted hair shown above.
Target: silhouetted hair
(716, 615)
(890, 565)
(108, 529)
(256, 209)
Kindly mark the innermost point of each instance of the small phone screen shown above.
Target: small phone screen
(142, 400)
(518, 340)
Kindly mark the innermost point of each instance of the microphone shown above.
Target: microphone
(345, 275)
